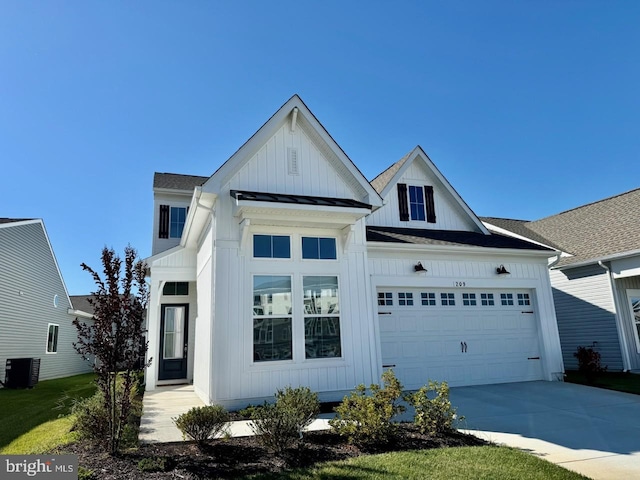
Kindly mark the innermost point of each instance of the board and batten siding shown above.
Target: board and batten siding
(237, 379)
(622, 285)
(29, 281)
(449, 215)
(586, 314)
(268, 169)
(458, 272)
(203, 369)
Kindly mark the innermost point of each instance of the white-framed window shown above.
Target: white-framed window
(405, 298)
(469, 299)
(385, 298)
(486, 299)
(319, 248)
(428, 298)
(52, 338)
(634, 308)
(271, 246)
(321, 317)
(523, 299)
(272, 318)
(177, 217)
(506, 298)
(447, 299)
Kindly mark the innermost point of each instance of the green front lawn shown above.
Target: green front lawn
(621, 381)
(24, 410)
(460, 463)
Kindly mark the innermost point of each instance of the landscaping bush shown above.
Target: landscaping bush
(589, 363)
(366, 420)
(154, 464)
(202, 423)
(433, 416)
(279, 426)
(86, 474)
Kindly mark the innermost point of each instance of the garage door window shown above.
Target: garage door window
(405, 298)
(506, 298)
(487, 299)
(469, 299)
(447, 299)
(428, 298)
(385, 298)
(523, 299)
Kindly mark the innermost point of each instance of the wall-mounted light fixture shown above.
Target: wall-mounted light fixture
(419, 268)
(502, 271)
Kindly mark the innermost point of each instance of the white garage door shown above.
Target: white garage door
(464, 337)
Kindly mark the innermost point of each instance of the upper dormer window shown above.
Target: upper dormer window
(416, 203)
(171, 221)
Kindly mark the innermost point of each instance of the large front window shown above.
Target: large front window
(321, 317)
(272, 318)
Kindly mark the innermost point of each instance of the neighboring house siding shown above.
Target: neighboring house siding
(449, 215)
(622, 285)
(586, 314)
(29, 280)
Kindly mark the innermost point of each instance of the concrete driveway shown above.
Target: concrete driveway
(589, 430)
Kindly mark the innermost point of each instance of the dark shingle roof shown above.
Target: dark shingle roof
(13, 220)
(381, 181)
(447, 237)
(81, 302)
(601, 229)
(297, 199)
(175, 181)
(519, 227)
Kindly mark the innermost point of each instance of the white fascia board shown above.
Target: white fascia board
(174, 191)
(201, 204)
(298, 215)
(606, 258)
(55, 260)
(79, 313)
(21, 222)
(412, 247)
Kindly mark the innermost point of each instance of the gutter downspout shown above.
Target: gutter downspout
(626, 359)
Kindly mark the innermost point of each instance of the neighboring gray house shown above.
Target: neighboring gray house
(36, 313)
(596, 282)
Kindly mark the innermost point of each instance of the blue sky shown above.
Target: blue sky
(529, 108)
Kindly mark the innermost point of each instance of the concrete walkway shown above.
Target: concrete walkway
(592, 431)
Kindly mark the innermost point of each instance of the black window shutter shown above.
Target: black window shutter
(163, 224)
(431, 207)
(403, 203)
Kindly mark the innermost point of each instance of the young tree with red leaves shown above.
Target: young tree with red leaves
(114, 339)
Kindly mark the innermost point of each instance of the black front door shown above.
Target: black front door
(174, 324)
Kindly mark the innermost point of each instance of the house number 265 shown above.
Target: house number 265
(459, 284)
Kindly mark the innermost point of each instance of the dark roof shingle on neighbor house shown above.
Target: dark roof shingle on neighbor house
(13, 220)
(81, 303)
(591, 232)
(447, 237)
(175, 181)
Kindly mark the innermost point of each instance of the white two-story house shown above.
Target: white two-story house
(287, 267)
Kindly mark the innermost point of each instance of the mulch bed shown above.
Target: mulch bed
(236, 457)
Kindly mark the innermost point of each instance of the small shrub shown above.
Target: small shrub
(249, 411)
(91, 418)
(202, 423)
(589, 363)
(433, 416)
(86, 474)
(366, 420)
(275, 428)
(153, 464)
(279, 426)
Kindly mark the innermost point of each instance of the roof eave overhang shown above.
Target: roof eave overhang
(79, 313)
(202, 204)
(594, 260)
(416, 247)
